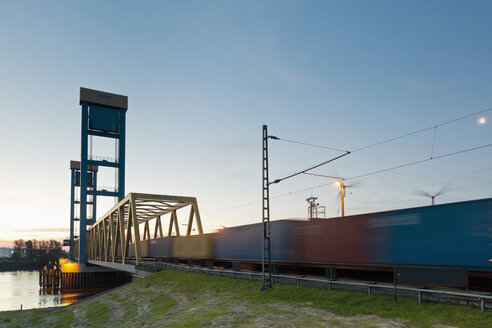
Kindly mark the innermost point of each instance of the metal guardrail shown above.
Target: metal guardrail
(480, 298)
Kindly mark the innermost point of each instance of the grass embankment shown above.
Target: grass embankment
(182, 299)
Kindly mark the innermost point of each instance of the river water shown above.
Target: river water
(22, 288)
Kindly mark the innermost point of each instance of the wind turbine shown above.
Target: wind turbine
(343, 192)
(339, 183)
(441, 191)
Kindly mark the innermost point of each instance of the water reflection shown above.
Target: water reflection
(22, 288)
(66, 297)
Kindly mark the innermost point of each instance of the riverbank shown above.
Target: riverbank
(21, 288)
(182, 299)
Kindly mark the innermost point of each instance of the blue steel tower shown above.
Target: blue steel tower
(103, 115)
(74, 200)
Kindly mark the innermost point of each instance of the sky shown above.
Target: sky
(202, 77)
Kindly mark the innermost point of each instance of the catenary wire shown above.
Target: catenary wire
(231, 194)
(419, 161)
(356, 177)
(375, 144)
(309, 169)
(311, 145)
(422, 130)
(380, 142)
(390, 139)
(324, 176)
(363, 148)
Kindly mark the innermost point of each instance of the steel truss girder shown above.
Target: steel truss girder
(121, 225)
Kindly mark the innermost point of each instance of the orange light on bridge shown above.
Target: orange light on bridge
(70, 267)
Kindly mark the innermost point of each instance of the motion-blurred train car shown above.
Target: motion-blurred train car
(244, 242)
(158, 248)
(443, 244)
(454, 235)
(341, 240)
(193, 247)
(144, 249)
(161, 247)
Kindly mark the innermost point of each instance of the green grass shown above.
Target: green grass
(127, 305)
(97, 314)
(183, 299)
(340, 302)
(64, 318)
(160, 305)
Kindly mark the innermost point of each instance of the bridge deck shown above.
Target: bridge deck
(115, 266)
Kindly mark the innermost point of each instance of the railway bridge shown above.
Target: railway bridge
(116, 243)
(125, 231)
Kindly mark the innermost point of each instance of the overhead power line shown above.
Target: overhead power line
(324, 176)
(359, 149)
(418, 162)
(309, 169)
(356, 177)
(464, 117)
(413, 186)
(234, 207)
(393, 139)
(231, 194)
(311, 145)
(422, 130)
(435, 126)
(449, 175)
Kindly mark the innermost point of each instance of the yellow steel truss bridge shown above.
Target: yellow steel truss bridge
(110, 238)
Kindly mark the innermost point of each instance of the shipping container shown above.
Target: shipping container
(193, 247)
(161, 247)
(341, 240)
(456, 234)
(245, 242)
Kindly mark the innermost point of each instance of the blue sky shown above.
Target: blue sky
(202, 77)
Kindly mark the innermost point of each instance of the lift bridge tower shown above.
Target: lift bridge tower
(75, 200)
(103, 116)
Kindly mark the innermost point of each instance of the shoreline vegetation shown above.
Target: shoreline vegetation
(32, 255)
(186, 299)
(7, 265)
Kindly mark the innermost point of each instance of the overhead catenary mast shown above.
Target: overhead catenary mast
(266, 265)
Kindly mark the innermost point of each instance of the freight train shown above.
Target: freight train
(441, 237)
